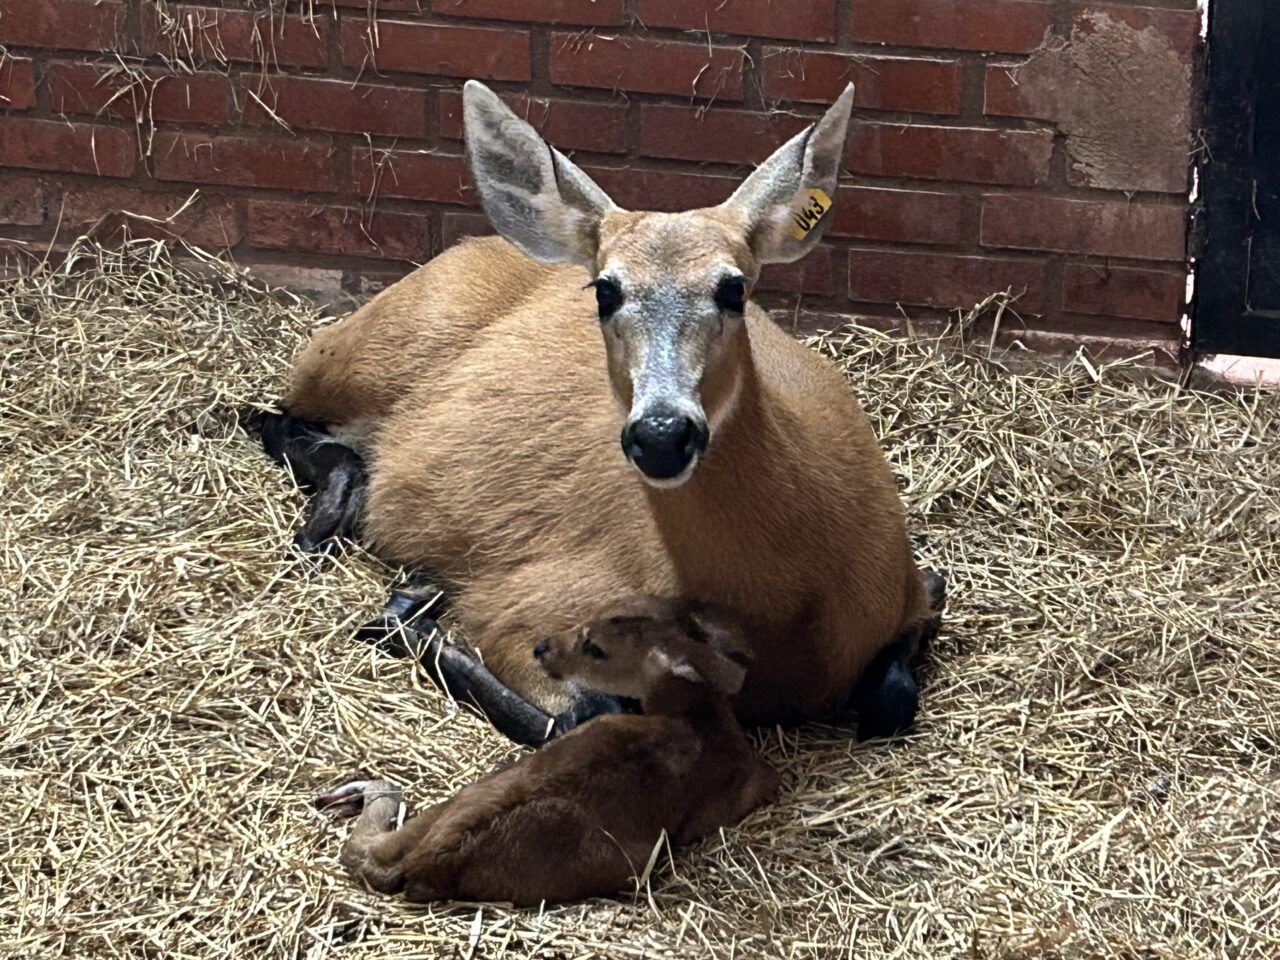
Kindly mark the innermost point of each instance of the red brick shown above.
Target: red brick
(411, 6)
(236, 161)
(810, 20)
(1107, 229)
(1180, 27)
(341, 231)
(1003, 95)
(309, 103)
(647, 66)
(481, 52)
(883, 83)
(17, 84)
(459, 225)
(210, 33)
(1009, 26)
(74, 147)
(714, 133)
(205, 221)
(663, 190)
(939, 280)
(441, 177)
(62, 24)
(567, 124)
(599, 13)
(811, 274)
(194, 98)
(903, 216)
(21, 201)
(1104, 290)
(1019, 157)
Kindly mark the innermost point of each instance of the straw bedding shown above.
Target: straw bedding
(1094, 775)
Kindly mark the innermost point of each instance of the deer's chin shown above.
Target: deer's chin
(671, 483)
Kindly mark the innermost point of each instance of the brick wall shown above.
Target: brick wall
(1041, 146)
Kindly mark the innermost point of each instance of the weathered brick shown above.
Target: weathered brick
(238, 161)
(567, 124)
(647, 66)
(812, 274)
(903, 216)
(1180, 27)
(62, 24)
(714, 133)
(341, 231)
(811, 20)
(324, 286)
(883, 83)
(1103, 290)
(246, 36)
(309, 103)
(1109, 229)
(190, 98)
(73, 147)
(458, 225)
(664, 190)
(17, 84)
(1008, 26)
(601, 13)
(413, 175)
(488, 53)
(1019, 157)
(940, 280)
(21, 201)
(205, 221)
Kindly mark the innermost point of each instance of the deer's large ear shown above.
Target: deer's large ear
(532, 193)
(787, 201)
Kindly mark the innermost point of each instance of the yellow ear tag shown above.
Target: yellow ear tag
(807, 211)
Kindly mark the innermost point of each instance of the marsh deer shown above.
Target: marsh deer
(488, 391)
(581, 817)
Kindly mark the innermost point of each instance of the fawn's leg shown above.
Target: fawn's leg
(375, 850)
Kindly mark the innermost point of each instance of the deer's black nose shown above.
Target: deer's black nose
(662, 444)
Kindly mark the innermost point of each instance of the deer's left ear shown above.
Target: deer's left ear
(787, 201)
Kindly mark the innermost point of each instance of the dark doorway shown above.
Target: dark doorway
(1237, 303)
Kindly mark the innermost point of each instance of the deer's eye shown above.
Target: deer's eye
(608, 297)
(592, 651)
(731, 294)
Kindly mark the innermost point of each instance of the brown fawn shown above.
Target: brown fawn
(581, 817)
(488, 390)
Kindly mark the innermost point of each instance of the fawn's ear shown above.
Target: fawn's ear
(701, 664)
(785, 202)
(723, 632)
(532, 193)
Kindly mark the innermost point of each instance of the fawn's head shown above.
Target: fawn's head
(671, 288)
(645, 642)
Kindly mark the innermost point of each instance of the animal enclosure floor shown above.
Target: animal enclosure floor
(1094, 774)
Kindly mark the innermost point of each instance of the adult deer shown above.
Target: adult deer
(488, 389)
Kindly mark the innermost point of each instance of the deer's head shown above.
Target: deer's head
(672, 289)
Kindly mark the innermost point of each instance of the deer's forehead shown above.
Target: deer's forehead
(665, 248)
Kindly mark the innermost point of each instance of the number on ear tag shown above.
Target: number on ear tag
(808, 210)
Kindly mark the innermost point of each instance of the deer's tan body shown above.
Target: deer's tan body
(488, 392)
(482, 385)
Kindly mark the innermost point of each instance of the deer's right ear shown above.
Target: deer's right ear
(532, 193)
(785, 202)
